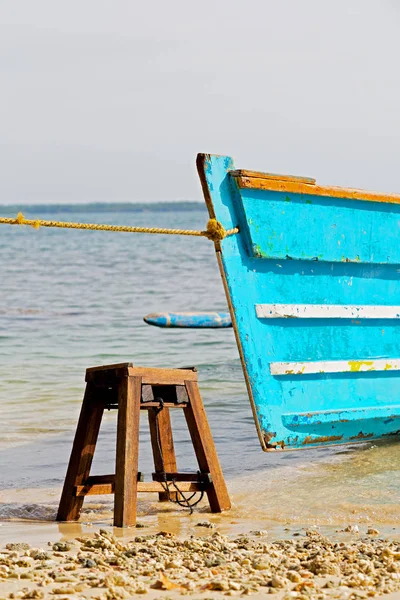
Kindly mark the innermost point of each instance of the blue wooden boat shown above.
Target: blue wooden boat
(189, 320)
(313, 286)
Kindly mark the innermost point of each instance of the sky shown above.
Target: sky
(110, 101)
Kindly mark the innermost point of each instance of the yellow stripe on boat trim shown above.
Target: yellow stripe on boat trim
(335, 366)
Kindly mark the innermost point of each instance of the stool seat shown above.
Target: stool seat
(130, 389)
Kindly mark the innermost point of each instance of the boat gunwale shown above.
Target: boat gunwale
(263, 181)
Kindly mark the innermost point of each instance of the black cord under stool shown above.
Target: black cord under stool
(183, 501)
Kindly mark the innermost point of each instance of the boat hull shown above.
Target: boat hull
(313, 286)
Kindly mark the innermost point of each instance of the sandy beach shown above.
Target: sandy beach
(309, 530)
(206, 565)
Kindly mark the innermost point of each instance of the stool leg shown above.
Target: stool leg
(81, 455)
(126, 469)
(162, 444)
(204, 448)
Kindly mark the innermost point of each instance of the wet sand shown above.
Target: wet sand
(249, 545)
(350, 498)
(357, 486)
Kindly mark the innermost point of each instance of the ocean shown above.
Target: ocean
(74, 299)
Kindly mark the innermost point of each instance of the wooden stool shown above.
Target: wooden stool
(127, 389)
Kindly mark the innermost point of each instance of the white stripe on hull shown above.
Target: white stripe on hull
(326, 311)
(335, 366)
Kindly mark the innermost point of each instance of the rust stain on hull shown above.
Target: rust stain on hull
(321, 440)
(268, 435)
(362, 436)
(391, 433)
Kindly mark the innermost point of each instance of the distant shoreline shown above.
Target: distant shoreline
(103, 207)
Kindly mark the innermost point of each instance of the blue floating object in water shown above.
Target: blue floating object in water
(190, 320)
(312, 279)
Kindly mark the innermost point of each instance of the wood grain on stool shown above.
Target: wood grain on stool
(166, 460)
(126, 466)
(82, 454)
(204, 448)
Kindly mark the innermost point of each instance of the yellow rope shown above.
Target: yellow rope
(214, 232)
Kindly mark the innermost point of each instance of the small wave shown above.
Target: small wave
(19, 311)
(32, 512)
(31, 312)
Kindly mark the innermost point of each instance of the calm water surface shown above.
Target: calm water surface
(73, 299)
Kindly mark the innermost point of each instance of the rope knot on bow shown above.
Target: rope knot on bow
(215, 231)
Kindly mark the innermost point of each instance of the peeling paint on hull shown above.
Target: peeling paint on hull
(326, 311)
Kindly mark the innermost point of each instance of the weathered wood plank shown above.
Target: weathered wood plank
(146, 486)
(162, 444)
(204, 478)
(81, 455)
(204, 448)
(167, 405)
(154, 376)
(111, 368)
(108, 375)
(126, 467)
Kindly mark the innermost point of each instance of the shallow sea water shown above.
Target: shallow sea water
(74, 299)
